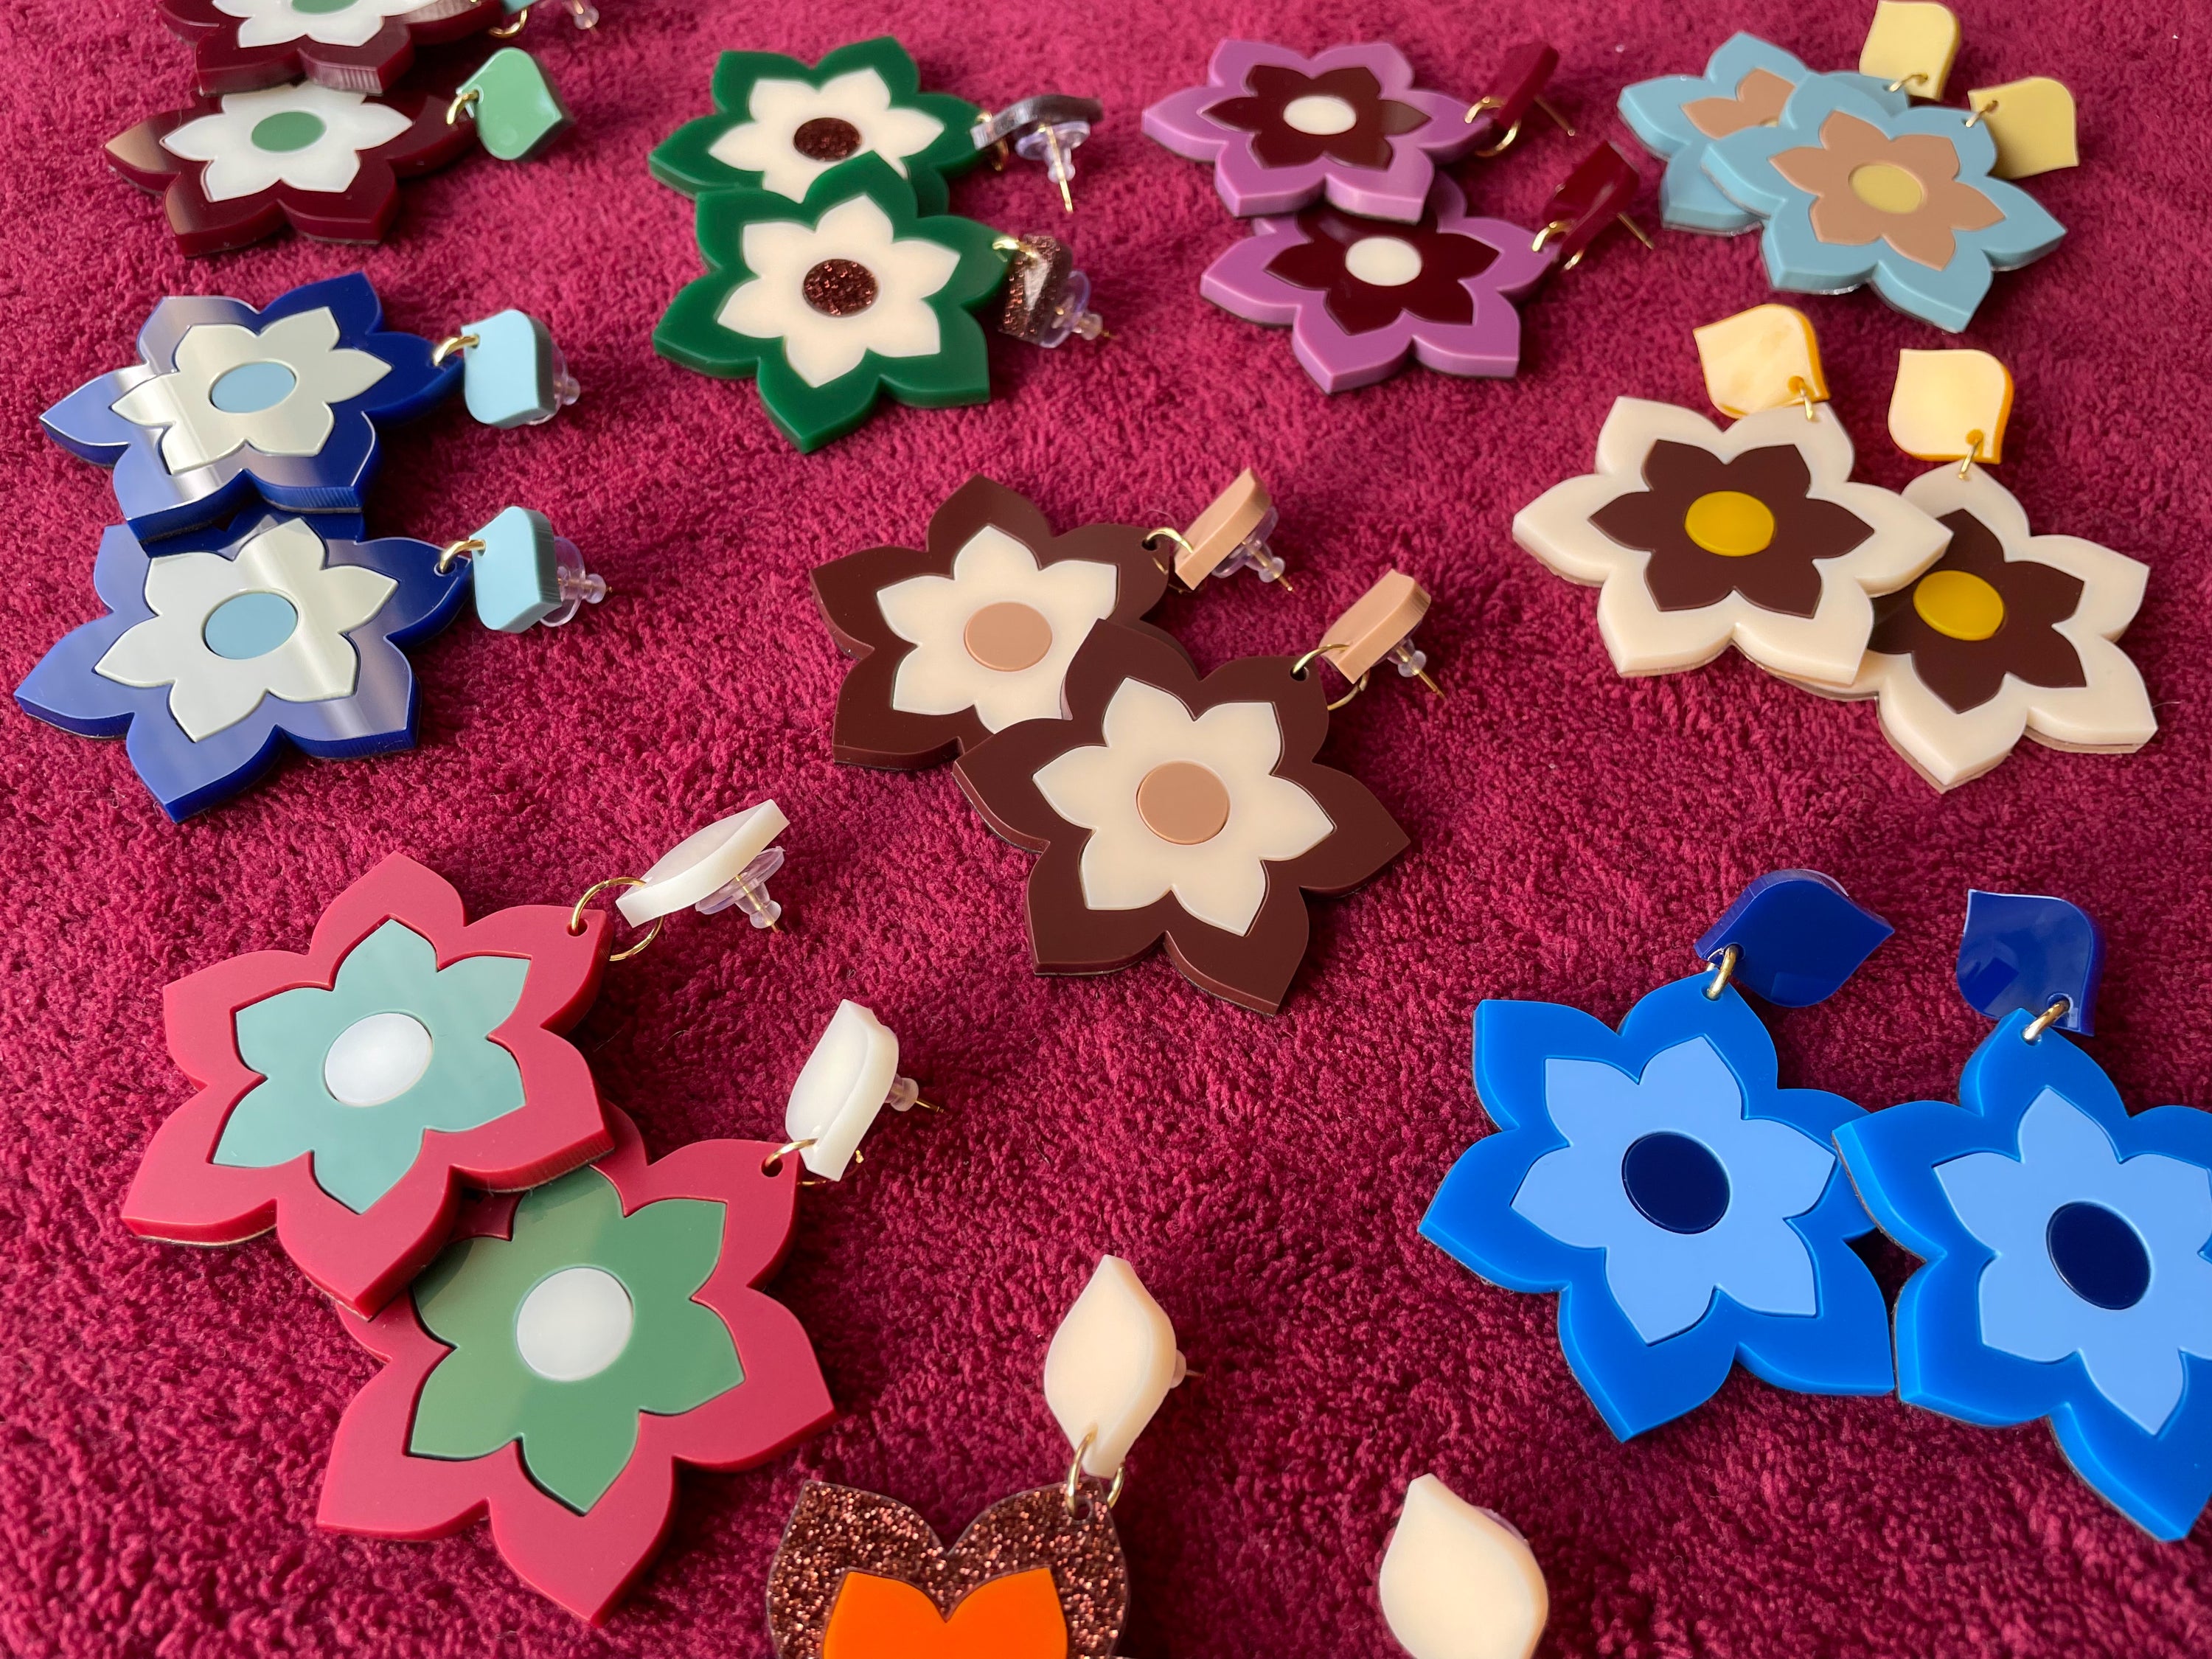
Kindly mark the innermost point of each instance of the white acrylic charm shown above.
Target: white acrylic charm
(727, 863)
(852, 1075)
(1459, 1581)
(1111, 1362)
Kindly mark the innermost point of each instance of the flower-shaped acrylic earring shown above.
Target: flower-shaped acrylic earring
(227, 403)
(972, 632)
(852, 292)
(1689, 1212)
(2065, 1240)
(239, 166)
(1283, 131)
(1700, 539)
(568, 1351)
(357, 46)
(1458, 1582)
(345, 1098)
(1852, 192)
(1362, 298)
(1677, 116)
(1173, 810)
(221, 645)
(862, 1577)
(2010, 634)
(779, 125)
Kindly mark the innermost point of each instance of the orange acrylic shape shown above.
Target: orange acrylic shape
(1016, 1617)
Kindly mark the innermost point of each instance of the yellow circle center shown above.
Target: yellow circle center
(1959, 605)
(1729, 522)
(1887, 188)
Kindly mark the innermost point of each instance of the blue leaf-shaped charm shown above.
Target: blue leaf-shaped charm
(1798, 937)
(2021, 951)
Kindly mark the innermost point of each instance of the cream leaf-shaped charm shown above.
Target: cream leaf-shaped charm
(1111, 1362)
(1459, 1581)
(846, 1081)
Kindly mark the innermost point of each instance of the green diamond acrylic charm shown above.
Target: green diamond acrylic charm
(514, 107)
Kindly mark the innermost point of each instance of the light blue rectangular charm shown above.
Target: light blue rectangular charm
(517, 572)
(513, 375)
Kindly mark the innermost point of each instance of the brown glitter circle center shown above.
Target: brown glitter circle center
(826, 138)
(840, 288)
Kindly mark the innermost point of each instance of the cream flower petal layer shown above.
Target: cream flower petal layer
(939, 675)
(1825, 648)
(778, 108)
(347, 123)
(208, 692)
(305, 344)
(1223, 880)
(2111, 714)
(819, 347)
(273, 22)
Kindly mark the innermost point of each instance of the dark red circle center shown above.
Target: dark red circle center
(826, 138)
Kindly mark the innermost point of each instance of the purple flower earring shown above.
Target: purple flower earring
(1360, 298)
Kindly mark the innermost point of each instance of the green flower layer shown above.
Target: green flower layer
(577, 1436)
(361, 1152)
(692, 331)
(686, 159)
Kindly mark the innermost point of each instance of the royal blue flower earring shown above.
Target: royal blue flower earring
(1689, 1212)
(2065, 1242)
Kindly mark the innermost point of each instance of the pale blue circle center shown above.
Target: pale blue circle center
(250, 625)
(252, 387)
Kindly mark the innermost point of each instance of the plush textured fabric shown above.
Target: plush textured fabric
(165, 1410)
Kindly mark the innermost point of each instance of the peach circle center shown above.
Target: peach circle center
(1007, 636)
(1182, 802)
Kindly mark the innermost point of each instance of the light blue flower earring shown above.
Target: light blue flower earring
(2065, 1241)
(1677, 116)
(1689, 1212)
(1852, 191)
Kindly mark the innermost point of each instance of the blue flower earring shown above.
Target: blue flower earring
(2065, 1242)
(1689, 1212)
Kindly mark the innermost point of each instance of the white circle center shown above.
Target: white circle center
(1383, 261)
(575, 1324)
(376, 1060)
(1320, 114)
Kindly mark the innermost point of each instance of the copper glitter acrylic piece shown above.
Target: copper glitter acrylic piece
(1044, 1577)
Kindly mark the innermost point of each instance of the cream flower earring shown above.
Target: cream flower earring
(308, 136)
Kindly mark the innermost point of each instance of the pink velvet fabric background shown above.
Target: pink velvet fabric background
(167, 1410)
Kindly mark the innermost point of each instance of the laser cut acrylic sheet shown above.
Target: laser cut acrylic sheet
(171, 1410)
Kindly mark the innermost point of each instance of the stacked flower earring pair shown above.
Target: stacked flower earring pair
(307, 114)
(1360, 246)
(562, 1319)
(1971, 632)
(1692, 1214)
(246, 605)
(1845, 179)
(1168, 808)
(835, 275)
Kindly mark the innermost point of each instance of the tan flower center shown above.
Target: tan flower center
(1887, 188)
(1182, 802)
(1959, 605)
(1729, 522)
(840, 288)
(1007, 636)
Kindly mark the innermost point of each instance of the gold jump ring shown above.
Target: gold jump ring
(576, 916)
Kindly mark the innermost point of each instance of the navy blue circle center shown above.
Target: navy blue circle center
(2099, 1256)
(1675, 1182)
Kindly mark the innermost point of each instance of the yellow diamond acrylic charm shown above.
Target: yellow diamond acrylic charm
(1763, 358)
(1911, 46)
(2032, 122)
(1951, 406)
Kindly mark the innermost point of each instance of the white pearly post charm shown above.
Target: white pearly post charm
(725, 865)
(851, 1076)
(1111, 1362)
(1459, 1581)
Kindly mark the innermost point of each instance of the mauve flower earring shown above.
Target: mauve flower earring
(1689, 1212)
